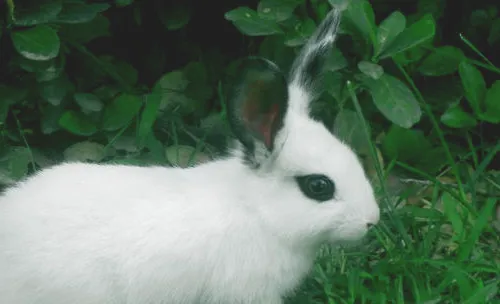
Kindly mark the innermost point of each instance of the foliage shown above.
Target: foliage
(143, 82)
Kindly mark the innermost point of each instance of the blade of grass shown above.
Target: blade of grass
(11, 7)
(380, 174)
(438, 183)
(484, 294)
(478, 227)
(472, 149)
(483, 65)
(117, 135)
(469, 44)
(21, 133)
(469, 60)
(486, 162)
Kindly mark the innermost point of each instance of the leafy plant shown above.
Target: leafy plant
(413, 89)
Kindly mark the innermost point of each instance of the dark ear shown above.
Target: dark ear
(257, 103)
(311, 61)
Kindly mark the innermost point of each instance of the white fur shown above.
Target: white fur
(220, 232)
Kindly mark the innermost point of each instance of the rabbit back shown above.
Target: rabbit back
(147, 238)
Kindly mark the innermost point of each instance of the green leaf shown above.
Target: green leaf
(50, 119)
(277, 10)
(106, 92)
(418, 33)
(79, 12)
(494, 35)
(339, 4)
(148, 117)
(197, 89)
(336, 85)
(123, 143)
(121, 111)
(77, 123)
(250, 23)
(371, 70)
(4, 110)
(126, 71)
(455, 117)
(389, 30)
(27, 13)
(395, 100)
(176, 16)
(55, 90)
(361, 14)
(404, 144)
(274, 48)
(156, 150)
(492, 113)
(195, 71)
(85, 32)
(54, 69)
(443, 61)
(349, 128)
(215, 124)
(15, 162)
(432, 161)
(171, 89)
(436, 8)
(85, 151)
(474, 86)
(299, 34)
(184, 156)
(336, 61)
(122, 3)
(88, 102)
(44, 70)
(479, 18)
(11, 94)
(414, 55)
(186, 95)
(38, 43)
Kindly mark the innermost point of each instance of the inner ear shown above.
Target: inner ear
(257, 102)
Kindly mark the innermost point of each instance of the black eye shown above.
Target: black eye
(316, 186)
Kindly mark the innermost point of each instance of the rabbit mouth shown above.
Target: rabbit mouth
(347, 234)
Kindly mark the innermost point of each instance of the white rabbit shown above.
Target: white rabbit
(242, 229)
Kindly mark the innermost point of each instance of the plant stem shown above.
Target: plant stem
(435, 124)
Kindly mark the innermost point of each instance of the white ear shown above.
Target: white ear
(309, 64)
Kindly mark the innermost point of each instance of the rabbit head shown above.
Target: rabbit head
(320, 189)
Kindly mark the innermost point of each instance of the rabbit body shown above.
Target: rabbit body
(120, 234)
(242, 229)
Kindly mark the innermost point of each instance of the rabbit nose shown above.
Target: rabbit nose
(372, 221)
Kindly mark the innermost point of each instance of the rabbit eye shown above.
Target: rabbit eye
(316, 186)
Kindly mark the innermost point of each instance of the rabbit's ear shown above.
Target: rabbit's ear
(308, 66)
(257, 104)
